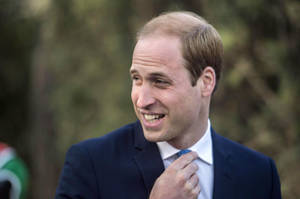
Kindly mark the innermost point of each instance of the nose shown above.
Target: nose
(144, 97)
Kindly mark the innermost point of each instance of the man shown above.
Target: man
(176, 66)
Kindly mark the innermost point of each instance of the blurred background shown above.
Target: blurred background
(64, 77)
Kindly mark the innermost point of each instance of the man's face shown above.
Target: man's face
(164, 100)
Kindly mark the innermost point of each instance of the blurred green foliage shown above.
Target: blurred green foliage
(64, 76)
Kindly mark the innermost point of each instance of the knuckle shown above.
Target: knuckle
(181, 177)
(188, 186)
(196, 190)
(170, 170)
(195, 179)
(195, 166)
(194, 154)
(188, 157)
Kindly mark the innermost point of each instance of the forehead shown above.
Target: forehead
(157, 51)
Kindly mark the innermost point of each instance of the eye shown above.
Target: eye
(161, 83)
(136, 79)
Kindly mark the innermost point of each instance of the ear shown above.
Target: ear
(207, 81)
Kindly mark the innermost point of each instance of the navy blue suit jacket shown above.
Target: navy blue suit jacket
(123, 164)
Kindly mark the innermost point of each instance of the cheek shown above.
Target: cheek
(134, 95)
(188, 101)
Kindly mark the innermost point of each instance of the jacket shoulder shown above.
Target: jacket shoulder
(251, 169)
(236, 149)
(122, 136)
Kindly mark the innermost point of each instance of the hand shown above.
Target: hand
(179, 180)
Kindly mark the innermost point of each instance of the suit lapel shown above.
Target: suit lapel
(147, 158)
(223, 175)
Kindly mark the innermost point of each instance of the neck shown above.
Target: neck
(187, 140)
(192, 135)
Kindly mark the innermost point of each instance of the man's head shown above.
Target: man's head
(174, 75)
(201, 43)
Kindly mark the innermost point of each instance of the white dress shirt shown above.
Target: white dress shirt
(204, 161)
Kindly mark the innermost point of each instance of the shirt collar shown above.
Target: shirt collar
(203, 147)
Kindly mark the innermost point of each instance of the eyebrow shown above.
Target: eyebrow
(158, 74)
(131, 71)
(153, 75)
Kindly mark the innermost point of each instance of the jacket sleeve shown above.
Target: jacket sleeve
(276, 190)
(78, 178)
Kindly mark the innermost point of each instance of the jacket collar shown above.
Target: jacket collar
(223, 175)
(147, 158)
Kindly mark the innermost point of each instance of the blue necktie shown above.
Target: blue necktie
(183, 151)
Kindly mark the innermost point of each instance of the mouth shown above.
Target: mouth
(151, 118)
(151, 121)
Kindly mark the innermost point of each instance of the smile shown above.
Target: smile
(153, 117)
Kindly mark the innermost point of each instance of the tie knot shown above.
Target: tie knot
(182, 152)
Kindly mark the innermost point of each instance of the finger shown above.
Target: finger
(193, 181)
(183, 175)
(184, 160)
(189, 170)
(196, 190)
(192, 186)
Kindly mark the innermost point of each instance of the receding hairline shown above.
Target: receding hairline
(169, 23)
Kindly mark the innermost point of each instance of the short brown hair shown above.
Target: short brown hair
(201, 43)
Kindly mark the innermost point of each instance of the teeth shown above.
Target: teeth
(151, 117)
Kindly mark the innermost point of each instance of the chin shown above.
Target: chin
(153, 137)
